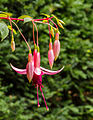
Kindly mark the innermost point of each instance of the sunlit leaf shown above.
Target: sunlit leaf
(3, 30)
(45, 15)
(8, 14)
(55, 17)
(27, 19)
(55, 29)
(24, 16)
(60, 25)
(52, 32)
(61, 21)
(3, 15)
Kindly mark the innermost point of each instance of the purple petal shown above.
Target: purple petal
(50, 72)
(20, 71)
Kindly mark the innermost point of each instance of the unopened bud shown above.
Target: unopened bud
(50, 55)
(13, 45)
(56, 48)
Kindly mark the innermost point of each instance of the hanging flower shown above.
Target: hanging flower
(37, 76)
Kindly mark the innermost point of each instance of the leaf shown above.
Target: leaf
(27, 20)
(8, 14)
(3, 15)
(4, 30)
(60, 25)
(52, 32)
(55, 17)
(9, 27)
(55, 29)
(24, 16)
(61, 21)
(45, 15)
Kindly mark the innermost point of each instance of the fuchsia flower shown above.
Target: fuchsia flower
(50, 55)
(36, 73)
(56, 47)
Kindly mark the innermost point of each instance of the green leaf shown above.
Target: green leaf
(24, 16)
(3, 15)
(45, 15)
(4, 30)
(52, 32)
(27, 19)
(8, 14)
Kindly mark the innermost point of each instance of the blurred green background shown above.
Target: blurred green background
(69, 94)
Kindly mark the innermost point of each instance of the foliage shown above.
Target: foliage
(68, 94)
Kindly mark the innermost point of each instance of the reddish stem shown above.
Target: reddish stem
(37, 31)
(53, 23)
(33, 34)
(23, 19)
(37, 97)
(11, 26)
(43, 98)
(49, 30)
(21, 34)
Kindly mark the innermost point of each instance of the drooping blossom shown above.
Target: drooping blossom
(50, 55)
(56, 47)
(37, 76)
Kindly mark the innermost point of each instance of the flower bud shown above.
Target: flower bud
(30, 67)
(29, 57)
(13, 45)
(57, 36)
(38, 59)
(50, 55)
(34, 55)
(56, 48)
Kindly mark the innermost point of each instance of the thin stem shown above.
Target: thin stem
(21, 35)
(53, 23)
(33, 35)
(37, 31)
(37, 97)
(49, 30)
(11, 26)
(23, 19)
(44, 98)
(43, 23)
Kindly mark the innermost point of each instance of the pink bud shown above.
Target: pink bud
(38, 60)
(30, 67)
(57, 36)
(29, 57)
(50, 55)
(35, 54)
(56, 48)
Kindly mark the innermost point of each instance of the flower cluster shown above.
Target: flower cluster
(33, 69)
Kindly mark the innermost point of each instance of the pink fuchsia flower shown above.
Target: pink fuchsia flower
(50, 55)
(56, 47)
(37, 78)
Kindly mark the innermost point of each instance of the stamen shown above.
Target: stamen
(37, 97)
(44, 98)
